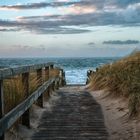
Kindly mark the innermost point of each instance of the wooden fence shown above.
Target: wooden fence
(22, 110)
(89, 73)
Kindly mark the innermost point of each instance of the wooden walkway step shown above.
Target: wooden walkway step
(75, 116)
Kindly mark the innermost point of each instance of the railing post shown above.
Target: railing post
(58, 82)
(51, 66)
(47, 72)
(39, 79)
(63, 78)
(51, 86)
(88, 74)
(57, 85)
(1, 104)
(26, 115)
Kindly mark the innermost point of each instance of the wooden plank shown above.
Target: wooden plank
(10, 72)
(1, 106)
(10, 118)
(26, 115)
(75, 116)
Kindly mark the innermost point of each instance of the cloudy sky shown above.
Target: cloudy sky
(69, 28)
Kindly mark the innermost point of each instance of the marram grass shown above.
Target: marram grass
(14, 90)
(13, 93)
(121, 78)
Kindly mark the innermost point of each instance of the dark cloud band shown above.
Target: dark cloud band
(37, 5)
(99, 4)
(119, 42)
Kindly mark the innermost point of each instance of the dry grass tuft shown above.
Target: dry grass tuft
(13, 93)
(14, 90)
(54, 72)
(121, 78)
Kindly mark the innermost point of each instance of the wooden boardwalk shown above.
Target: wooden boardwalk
(75, 116)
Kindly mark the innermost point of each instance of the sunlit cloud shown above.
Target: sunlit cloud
(78, 9)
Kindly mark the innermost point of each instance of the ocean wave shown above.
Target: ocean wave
(75, 68)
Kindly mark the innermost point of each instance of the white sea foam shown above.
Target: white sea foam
(76, 76)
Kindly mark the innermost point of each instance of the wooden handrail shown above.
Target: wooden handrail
(10, 118)
(23, 109)
(10, 72)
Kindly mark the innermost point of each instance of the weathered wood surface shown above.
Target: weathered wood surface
(10, 72)
(10, 118)
(75, 116)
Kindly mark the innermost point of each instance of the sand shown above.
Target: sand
(116, 115)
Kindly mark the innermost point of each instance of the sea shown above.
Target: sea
(75, 68)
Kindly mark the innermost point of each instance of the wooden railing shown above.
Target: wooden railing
(22, 110)
(89, 74)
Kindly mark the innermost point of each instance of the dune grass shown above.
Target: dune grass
(121, 78)
(14, 90)
(13, 93)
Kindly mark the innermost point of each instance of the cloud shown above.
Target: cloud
(36, 5)
(91, 44)
(121, 3)
(99, 4)
(9, 30)
(95, 3)
(127, 17)
(58, 30)
(119, 42)
(57, 23)
(96, 13)
(89, 4)
(78, 9)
